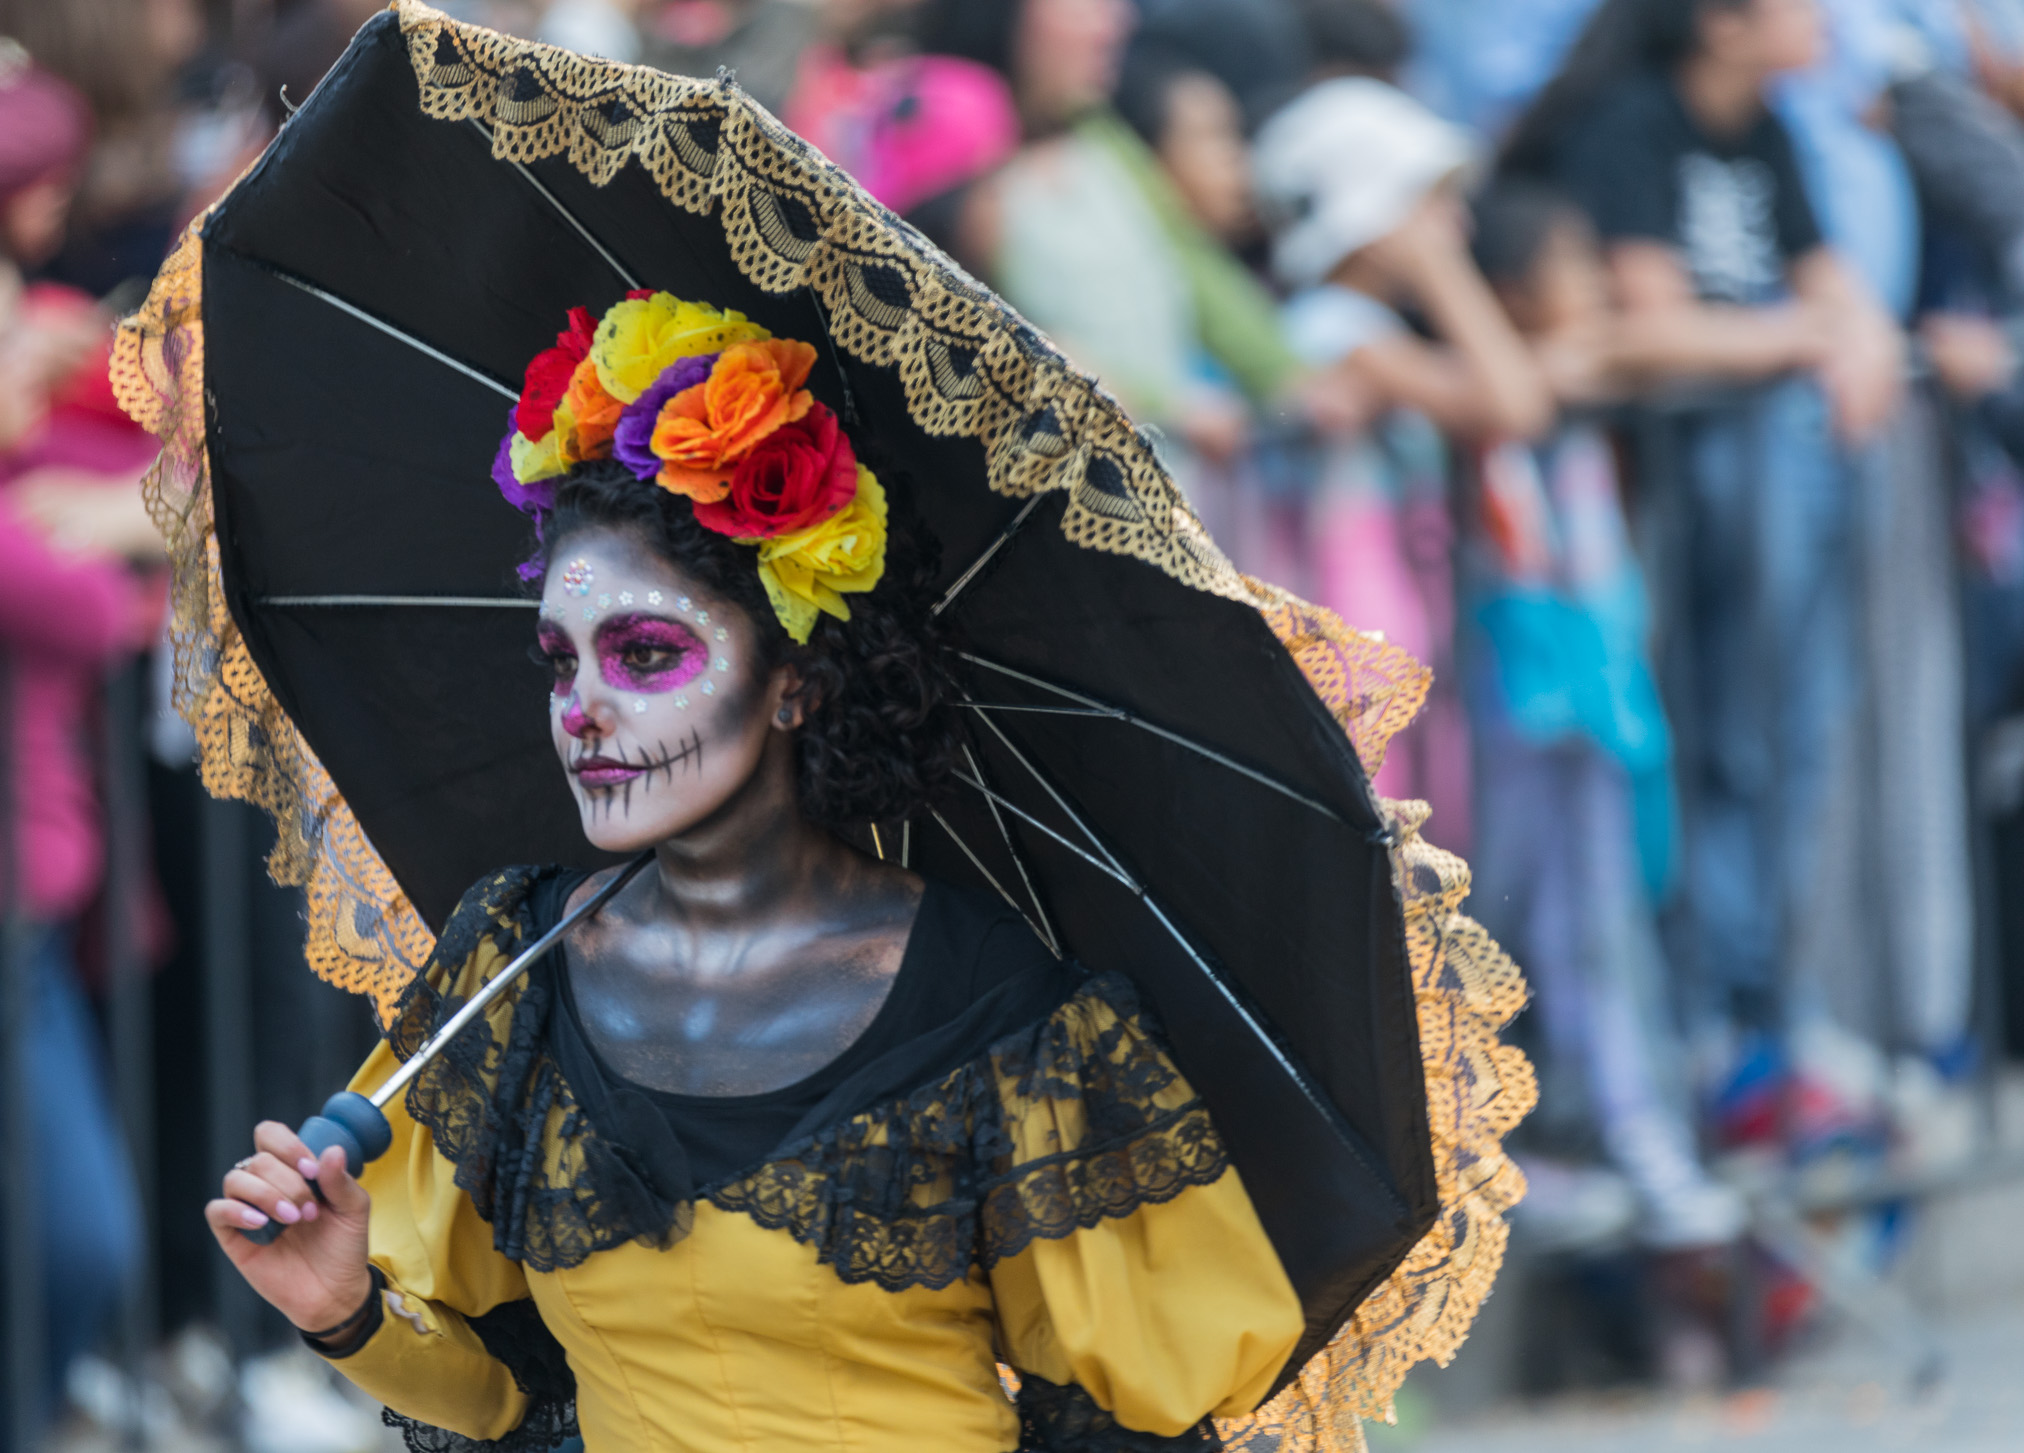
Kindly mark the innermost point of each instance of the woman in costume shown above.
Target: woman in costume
(788, 1147)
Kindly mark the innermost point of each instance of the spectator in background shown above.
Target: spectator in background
(123, 56)
(1257, 48)
(1574, 826)
(1086, 234)
(1195, 127)
(910, 128)
(1355, 38)
(1659, 128)
(1362, 182)
(66, 617)
(761, 40)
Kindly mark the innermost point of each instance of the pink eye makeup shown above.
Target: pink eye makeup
(649, 653)
(555, 651)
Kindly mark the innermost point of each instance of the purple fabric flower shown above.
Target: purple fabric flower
(529, 499)
(633, 443)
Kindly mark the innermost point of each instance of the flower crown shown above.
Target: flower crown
(711, 406)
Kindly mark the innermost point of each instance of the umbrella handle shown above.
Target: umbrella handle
(349, 1120)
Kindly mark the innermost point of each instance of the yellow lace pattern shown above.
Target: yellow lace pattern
(971, 367)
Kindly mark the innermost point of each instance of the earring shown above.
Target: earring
(786, 717)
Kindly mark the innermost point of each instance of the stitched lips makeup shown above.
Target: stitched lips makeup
(602, 770)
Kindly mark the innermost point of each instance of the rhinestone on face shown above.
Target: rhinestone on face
(604, 602)
(709, 688)
(576, 578)
(681, 703)
(723, 663)
(639, 706)
(590, 612)
(625, 597)
(702, 618)
(682, 604)
(722, 634)
(653, 597)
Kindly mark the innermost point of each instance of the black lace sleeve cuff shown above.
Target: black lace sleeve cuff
(1058, 1419)
(515, 1335)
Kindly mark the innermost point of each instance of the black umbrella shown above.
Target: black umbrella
(1154, 780)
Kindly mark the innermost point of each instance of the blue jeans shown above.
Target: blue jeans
(1769, 667)
(89, 1203)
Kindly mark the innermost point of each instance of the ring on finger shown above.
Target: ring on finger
(241, 1165)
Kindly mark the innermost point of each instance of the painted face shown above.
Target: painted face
(659, 708)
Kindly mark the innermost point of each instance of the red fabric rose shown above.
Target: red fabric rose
(549, 374)
(802, 473)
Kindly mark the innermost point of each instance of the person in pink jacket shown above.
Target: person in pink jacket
(70, 613)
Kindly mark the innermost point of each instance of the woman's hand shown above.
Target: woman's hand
(316, 1273)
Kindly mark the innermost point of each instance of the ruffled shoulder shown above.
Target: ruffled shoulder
(1069, 1121)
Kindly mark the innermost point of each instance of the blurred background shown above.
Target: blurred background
(1648, 368)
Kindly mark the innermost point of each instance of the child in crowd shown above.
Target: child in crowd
(1574, 822)
(1362, 181)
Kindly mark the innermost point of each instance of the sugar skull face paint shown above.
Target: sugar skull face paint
(659, 711)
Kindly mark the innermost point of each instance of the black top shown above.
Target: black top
(972, 972)
(1735, 207)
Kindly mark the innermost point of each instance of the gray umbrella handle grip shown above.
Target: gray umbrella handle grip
(350, 1121)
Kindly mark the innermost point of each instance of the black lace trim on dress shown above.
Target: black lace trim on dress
(494, 1107)
(515, 1335)
(916, 1192)
(912, 1192)
(1057, 1419)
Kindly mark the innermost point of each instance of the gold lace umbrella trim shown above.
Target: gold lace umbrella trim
(793, 220)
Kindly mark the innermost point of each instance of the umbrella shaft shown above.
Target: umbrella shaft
(501, 982)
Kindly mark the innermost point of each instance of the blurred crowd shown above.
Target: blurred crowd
(1648, 368)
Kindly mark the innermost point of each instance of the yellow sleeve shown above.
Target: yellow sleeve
(1174, 1313)
(436, 1254)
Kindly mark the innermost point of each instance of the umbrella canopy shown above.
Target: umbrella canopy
(1160, 776)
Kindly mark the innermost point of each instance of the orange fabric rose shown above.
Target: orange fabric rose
(596, 415)
(704, 431)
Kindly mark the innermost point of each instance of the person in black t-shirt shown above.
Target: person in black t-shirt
(1659, 130)
(1658, 127)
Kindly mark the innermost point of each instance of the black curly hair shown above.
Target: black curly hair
(880, 739)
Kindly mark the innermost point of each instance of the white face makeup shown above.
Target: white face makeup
(659, 709)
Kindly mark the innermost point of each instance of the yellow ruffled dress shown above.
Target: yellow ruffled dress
(1060, 1204)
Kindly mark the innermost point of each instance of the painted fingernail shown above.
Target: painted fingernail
(307, 1167)
(253, 1217)
(309, 1211)
(286, 1213)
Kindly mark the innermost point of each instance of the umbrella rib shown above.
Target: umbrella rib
(385, 327)
(1294, 1072)
(1018, 858)
(992, 879)
(568, 216)
(1089, 711)
(963, 581)
(1024, 816)
(1116, 869)
(458, 602)
(1216, 980)
(1119, 714)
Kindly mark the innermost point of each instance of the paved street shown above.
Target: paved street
(1848, 1397)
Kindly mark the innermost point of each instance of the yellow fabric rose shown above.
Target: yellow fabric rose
(637, 339)
(542, 458)
(811, 570)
